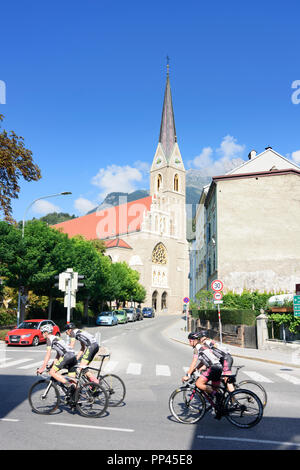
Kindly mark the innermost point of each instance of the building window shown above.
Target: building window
(159, 254)
(159, 182)
(176, 183)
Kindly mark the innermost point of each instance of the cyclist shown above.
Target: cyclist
(205, 361)
(89, 347)
(65, 358)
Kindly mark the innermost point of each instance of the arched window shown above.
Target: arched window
(176, 183)
(159, 182)
(159, 254)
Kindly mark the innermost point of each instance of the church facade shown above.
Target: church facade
(150, 234)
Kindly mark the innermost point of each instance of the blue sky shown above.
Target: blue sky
(85, 84)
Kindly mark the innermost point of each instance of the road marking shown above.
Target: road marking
(257, 377)
(3, 359)
(163, 370)
(31, 365)
(14, 363)
(92, 427)
(289, 378)
(110, 366)
(11, 420)
(134, 368)
(258, 441)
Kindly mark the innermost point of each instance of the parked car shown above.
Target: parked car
(121, 316)
(131, 314)
(29, 333)
(139, 314)
(107, 318)
(148, 312)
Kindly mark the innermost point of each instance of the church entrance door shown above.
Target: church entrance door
(154, 300)
(164, 305)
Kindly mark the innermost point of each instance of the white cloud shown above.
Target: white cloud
(116, 178)
(84, 205)
(45, 207)
(296, 157)
(223, 159)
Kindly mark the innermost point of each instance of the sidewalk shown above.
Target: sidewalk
(279, 354)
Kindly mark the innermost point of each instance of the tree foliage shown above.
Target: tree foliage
(15, 162)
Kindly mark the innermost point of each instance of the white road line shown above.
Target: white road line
(110, 366)
(163, 370)
(3, 359)
(289, 378)
(92, 427)
(14, 363)
(31, 365)
(258, 441)
(257, 377)
(134, 368)
(11, 420)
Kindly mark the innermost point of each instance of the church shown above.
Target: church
(149, 234)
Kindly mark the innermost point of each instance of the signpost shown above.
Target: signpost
(217, 287)
(296, 302)
(68, 283)
(186, 301)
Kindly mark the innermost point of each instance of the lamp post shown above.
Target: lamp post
(65, 193)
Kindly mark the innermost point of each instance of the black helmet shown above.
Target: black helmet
(70, 326)
(195, 335)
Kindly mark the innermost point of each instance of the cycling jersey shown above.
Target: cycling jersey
(83, 337)
(53, 342)
(206, 356)
(223, 355)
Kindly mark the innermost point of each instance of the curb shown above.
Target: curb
(270, 361)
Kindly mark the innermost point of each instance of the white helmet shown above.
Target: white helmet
(47, 328)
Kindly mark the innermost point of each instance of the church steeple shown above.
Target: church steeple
(167, 136)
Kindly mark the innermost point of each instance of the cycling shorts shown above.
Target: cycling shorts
(68, 361)
(213, 373)
(90, 352)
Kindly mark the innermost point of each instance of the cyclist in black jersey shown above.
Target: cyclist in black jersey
(65, 357)
(89, 346)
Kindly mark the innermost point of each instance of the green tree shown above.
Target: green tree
(15, 162)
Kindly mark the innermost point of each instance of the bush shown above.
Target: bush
(228, 316)
(8, 317)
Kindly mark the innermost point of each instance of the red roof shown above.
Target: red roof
(116, 242)
(107, 223)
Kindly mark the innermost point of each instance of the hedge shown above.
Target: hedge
(8, 317)
(228, 316)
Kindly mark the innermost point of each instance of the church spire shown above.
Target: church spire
(167, 136)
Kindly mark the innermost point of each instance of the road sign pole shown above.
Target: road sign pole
(220, 323)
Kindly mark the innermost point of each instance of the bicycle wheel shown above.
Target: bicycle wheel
(91, 400)
(243, 408)
(115, 388)
(44, 397)
(256, 388)
(187, 405)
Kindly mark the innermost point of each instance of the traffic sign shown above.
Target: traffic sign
(217, 285)
(186, 300)
(296, 302)
(218, 295)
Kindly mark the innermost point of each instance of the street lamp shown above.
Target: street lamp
(64, 193)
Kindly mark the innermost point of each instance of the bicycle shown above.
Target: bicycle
(253, 386)
(46, 395)
(242, 408)
(112, 383)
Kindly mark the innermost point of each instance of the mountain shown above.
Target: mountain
(116, 198)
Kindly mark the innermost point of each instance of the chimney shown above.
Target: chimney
(252, 154)
(268, 148)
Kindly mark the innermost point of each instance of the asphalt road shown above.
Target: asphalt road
(151, 365)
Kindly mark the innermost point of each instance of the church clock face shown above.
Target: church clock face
(158, 161)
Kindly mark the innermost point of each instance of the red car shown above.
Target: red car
(28, 332)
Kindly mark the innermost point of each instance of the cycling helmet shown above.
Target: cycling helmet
(195, 335)
(70, 326)
(47, 328)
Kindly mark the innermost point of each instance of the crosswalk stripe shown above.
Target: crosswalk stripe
(289, 378)
(31, 365)
(257, 377)
(110, 366)
(163, 370)
(14, 363)
(134, 368)
(3, 359)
